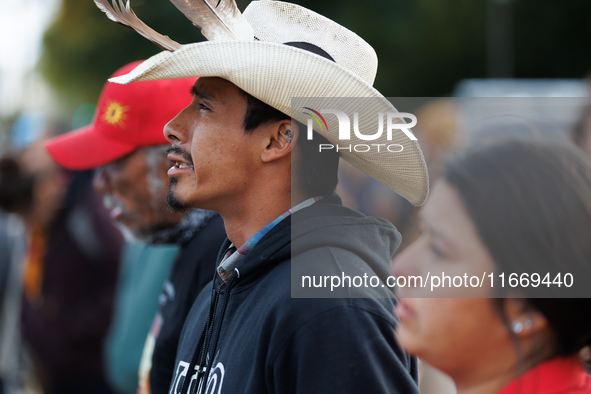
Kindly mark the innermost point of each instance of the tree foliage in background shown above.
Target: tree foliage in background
(552, 38)
(424, 46)
(82, 48)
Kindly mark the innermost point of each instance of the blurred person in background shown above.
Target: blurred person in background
(438, 132)
(69, 264)
(581, 133)
(12, 248)
(511, 207)
(12, 243)
(127, 145)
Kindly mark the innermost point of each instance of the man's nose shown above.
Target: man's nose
(101, 181)
(173, 130)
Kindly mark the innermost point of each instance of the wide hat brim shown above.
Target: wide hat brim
(276, 73)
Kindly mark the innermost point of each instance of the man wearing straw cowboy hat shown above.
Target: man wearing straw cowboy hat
(233, 147)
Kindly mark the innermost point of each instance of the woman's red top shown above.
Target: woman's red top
(560, 375)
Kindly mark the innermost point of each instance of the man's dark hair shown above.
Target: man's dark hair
(317, 172)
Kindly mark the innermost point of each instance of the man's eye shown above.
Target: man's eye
(203, 106)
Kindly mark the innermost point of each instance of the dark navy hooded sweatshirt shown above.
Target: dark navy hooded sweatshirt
(250, 336)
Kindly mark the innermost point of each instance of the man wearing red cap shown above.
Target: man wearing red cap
(125, 142)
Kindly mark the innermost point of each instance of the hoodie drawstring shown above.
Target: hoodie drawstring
(202, 340)
(200, 357)
(217, 334)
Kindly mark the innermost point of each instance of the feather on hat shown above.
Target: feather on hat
(248, 50)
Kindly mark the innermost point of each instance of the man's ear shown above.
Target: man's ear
(279, 142)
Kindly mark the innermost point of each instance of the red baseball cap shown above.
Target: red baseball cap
(128, 117)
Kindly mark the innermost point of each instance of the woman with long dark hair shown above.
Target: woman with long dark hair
(512, 210)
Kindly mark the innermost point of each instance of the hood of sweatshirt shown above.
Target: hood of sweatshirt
(325, 239)
(339, 252)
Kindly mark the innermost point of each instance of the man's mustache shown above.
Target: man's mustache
(180, 152)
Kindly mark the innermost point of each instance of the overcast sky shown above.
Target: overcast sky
(22, 23)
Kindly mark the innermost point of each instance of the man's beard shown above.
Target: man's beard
(109, 202)
(174, 203)
(137, 235)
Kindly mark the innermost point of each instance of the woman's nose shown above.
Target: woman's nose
(405, 263)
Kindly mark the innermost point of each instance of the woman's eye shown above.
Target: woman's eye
(436, 252)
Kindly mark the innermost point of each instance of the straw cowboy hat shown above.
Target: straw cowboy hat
(249, 50)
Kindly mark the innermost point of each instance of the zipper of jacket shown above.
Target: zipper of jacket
(200, 357)
(217, 333)
(202, 344)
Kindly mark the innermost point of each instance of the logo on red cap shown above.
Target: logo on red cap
(115, 114)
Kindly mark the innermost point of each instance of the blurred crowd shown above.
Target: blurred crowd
(92, 259)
